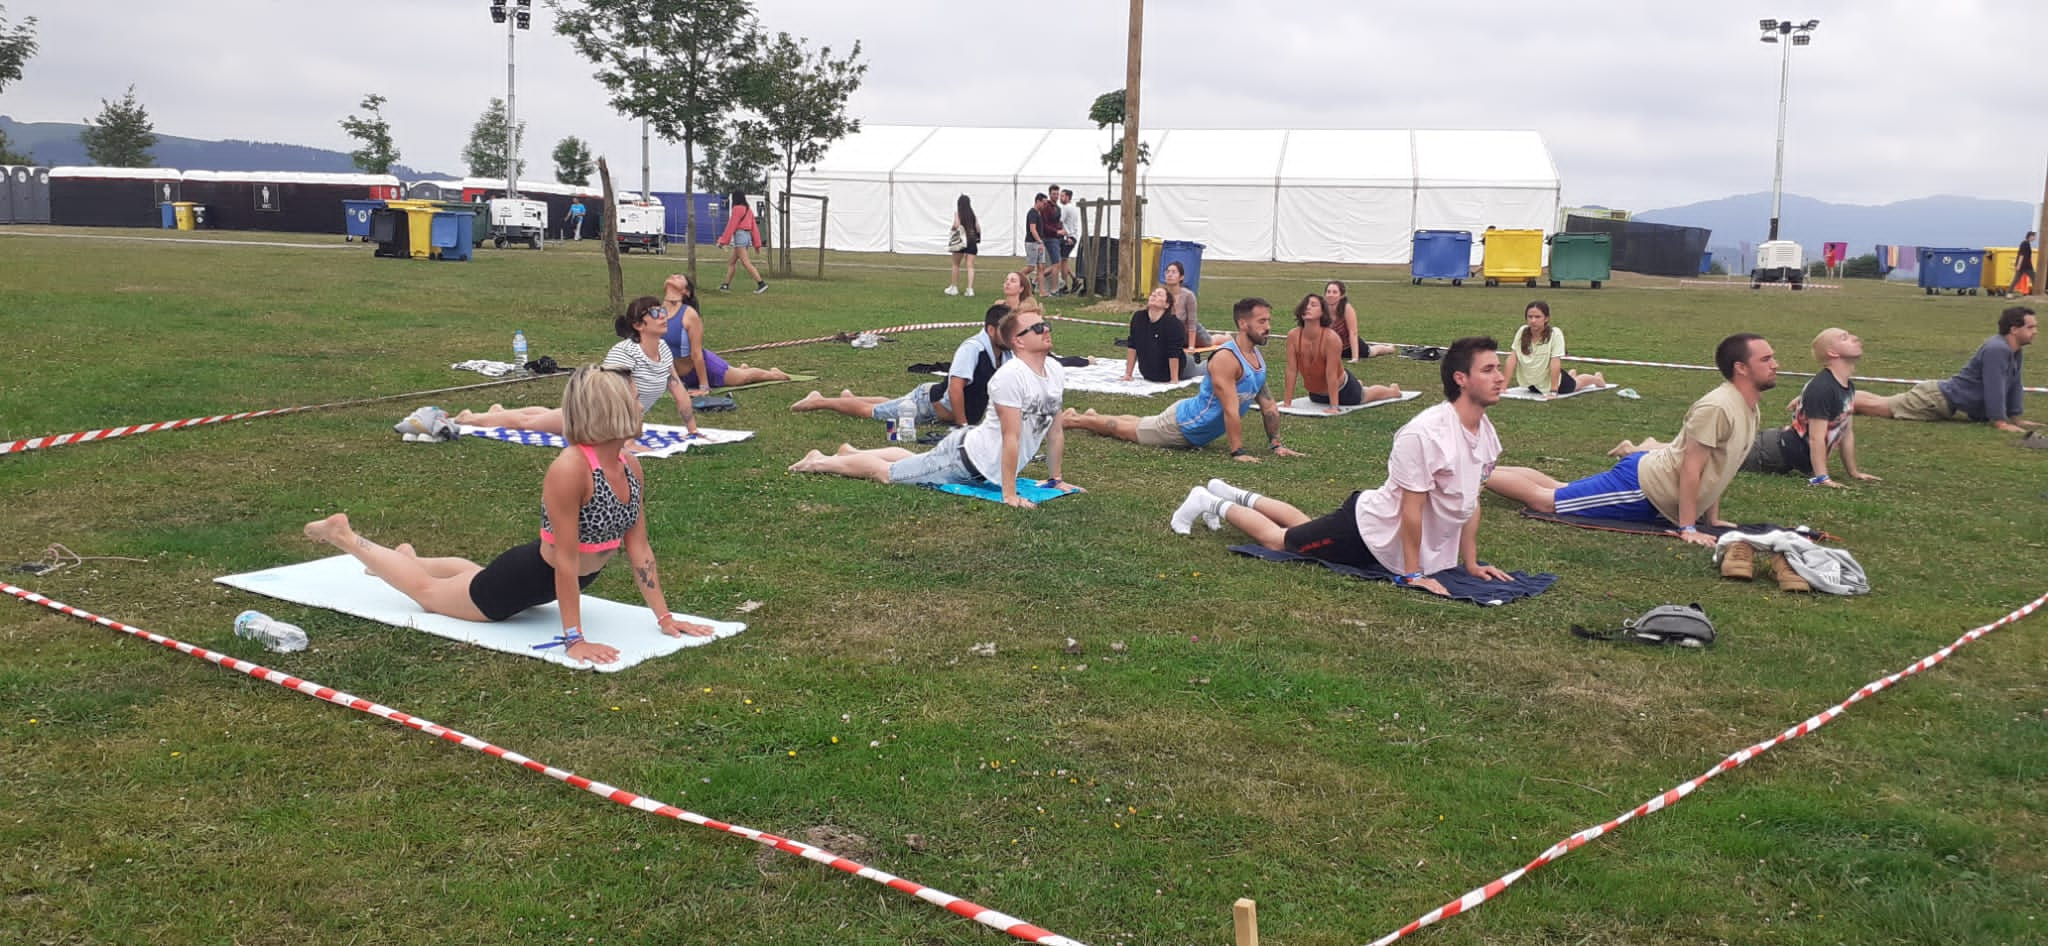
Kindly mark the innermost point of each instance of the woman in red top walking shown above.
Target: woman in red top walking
(741, 232)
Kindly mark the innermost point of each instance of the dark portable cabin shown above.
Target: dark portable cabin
(434, 190)
(558, 197)
(6, 193)
(1655, 249)
(110, 197)
(38, 196)
(281, 201)
(711, 215)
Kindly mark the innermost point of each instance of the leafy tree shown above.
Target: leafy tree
(122, 135)
(671, 63)
(485, 153)
(1108, 112)
(17, 44)
(572, 161)
(1861, 267)
(798, 100)
(741, 164)
(377, 153)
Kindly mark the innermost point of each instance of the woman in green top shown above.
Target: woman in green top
(1536, 357)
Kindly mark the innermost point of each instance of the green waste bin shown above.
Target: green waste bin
(1576, 256)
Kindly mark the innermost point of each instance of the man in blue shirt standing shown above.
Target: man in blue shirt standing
(1987, 389)
(576, 212)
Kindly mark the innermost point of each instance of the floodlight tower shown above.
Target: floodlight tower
(1786, 34)
(514, 20)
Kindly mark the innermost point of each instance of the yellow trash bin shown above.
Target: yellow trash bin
(188, 219)
(1512, 256)
(1148, 263)
(2000, 266)
(420, 232)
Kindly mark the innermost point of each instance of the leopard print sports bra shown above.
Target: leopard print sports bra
(602, 523)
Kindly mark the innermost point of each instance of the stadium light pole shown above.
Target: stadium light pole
(514, 20)
(1786, 34)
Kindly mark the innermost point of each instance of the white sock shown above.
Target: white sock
(1229, 493)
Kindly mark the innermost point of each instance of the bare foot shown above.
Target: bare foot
(846, 392)
(778, 374)
(844, 449)
(1622, 449)
(1091, 412)
(466, 417)
(333, 530)
(808, 402)
(805, 465)
(1397, 389)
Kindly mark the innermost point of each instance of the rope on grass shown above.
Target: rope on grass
(109, 433)
(1480, 895)
(979, 914)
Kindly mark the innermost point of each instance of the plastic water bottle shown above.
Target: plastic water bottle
(273, 634)
(906, 421)
(519, 348)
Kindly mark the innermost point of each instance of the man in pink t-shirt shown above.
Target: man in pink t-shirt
(1423, 520)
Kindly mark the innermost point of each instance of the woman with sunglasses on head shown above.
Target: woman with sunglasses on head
(591, 506)
(701, 367)
(1024, 397)
(641, 352)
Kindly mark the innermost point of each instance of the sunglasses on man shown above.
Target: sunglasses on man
(1037, 328)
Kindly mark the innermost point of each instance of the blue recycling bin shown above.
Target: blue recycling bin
(1957, 268)
(1441, 254)
(170, 212)
(356, 218)
(450, 232)
(1706, 262)
(1188, 254)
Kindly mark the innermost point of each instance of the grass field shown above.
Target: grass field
(1348, 754)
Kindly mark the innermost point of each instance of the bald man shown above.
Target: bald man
(1820, 418)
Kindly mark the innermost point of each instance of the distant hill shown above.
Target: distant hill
(56, 143)
(1925, 221)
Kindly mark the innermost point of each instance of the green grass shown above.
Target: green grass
(1348, 754)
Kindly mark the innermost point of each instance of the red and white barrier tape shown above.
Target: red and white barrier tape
(1801, 374)
(979, 914)
(1480, 895)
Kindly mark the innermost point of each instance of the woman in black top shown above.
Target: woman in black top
(970, 229)
(1157, 340)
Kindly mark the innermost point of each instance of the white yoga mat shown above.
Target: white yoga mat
(660, 440)
(1104, 376)
(1524, 394)
(339, 584)
(1303, 407)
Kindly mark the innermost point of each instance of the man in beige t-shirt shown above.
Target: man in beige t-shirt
(1680, 483)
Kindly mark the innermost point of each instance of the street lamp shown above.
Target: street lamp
(1786, 34)
(514, 20)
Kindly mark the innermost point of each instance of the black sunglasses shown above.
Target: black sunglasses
(1039, 328)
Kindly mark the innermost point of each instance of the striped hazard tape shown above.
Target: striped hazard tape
(1480, 895)
(979, 914)
(1800, 374)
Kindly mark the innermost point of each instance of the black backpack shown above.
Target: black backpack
(1685, 625)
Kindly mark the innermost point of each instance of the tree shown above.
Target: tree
(377, 153)
(1108, 112)
(17, 44)
(671, 63)
(485, 153)
(798, 102)
(741, 164)
(122, 135)
(572, 161)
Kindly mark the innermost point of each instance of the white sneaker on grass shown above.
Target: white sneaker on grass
(1199, 504)
(970, 292)
(955, 290)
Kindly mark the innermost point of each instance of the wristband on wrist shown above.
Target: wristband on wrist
(1818, 480)
(570, 637)
(1408, 579)
(1682, 530)
(1051, 482)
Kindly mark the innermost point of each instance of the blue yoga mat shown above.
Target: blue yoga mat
(1026, 488)
(1461, 586)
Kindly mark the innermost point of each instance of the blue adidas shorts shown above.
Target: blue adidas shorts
(1615, 494)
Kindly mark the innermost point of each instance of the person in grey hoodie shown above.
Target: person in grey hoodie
(1987, 389)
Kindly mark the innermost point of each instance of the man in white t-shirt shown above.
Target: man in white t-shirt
(1423, 520)
(1025, 395)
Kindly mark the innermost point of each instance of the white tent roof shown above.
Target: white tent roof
(872, 153)
(1337, 158)
(1215, 157)
(1073, 158)
(1510, 159)
(989, 155)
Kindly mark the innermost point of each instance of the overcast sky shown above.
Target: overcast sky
(1643, 104)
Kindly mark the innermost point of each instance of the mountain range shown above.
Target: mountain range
(56, 143)
(1924, 221)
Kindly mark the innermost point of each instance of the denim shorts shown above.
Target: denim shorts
(945, 463)
(920, 399)
(743, 238)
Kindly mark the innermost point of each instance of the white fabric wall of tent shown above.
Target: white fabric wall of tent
(1346, 196)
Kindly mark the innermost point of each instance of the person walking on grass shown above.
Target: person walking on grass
(2023, 267)
(969, 230)
(1679, 484)
(1423, 520)
(1989, 387)
(742, 232)
(1070, 236)
(1041, 246)
(592, 503)
(1235, 383)
(1025, 394)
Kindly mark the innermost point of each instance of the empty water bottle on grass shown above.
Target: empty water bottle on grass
(273, 634)
(519, 348)
(906, 421)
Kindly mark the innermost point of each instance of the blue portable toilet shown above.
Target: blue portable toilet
(170, 215)
(1706, 262)
(356, 218)
(450, 231)
(1441, 254)
(1188, 254)
(1957, 268)
(711, 215)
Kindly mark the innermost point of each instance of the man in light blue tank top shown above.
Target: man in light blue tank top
(1235, 383)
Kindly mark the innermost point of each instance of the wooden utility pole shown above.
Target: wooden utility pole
(2039, 268)
(1128, 277)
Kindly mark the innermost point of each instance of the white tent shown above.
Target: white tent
(1300, 196)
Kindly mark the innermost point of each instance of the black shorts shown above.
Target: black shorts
(1067, 247)
(1352, 393)
(1334, 538)
(516, 580)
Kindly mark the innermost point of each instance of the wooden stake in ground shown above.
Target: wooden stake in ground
(1245, 913)
(610, 232)
(1128, 277)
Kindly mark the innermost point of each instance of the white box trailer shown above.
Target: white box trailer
(516, 220)
(643, 226)
(1779, 261)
